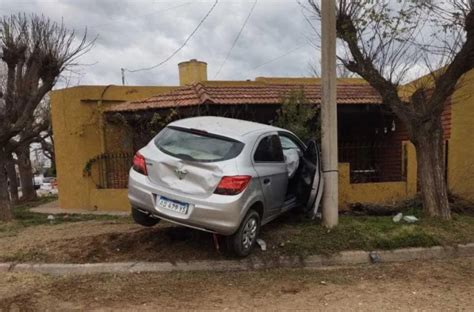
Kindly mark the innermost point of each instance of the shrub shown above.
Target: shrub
(299, 116)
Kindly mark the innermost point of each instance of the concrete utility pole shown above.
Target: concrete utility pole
(329, 114)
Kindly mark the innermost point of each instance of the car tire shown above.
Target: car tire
(143, 218)
(243, 241)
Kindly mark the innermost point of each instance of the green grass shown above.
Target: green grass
(292, 234)
(23, 217)
(369, 233)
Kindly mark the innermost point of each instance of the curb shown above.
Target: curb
(311, 262)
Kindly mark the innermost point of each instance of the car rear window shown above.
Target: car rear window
(197, 145)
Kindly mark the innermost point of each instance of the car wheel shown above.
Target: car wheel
(242, 242)
(143, 219)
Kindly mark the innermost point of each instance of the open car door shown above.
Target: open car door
(311, 182)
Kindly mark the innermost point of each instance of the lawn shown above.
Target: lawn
(301, 236)
(98, 238)
(370, 233)
(23, 217)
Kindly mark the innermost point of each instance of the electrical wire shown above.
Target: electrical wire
(236, 39)
(279, 57)
(178, 49)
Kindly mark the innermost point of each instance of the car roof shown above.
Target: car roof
(229, 127)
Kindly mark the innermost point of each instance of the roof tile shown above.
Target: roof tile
(200, 93)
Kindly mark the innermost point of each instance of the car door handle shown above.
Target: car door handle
(266, 181)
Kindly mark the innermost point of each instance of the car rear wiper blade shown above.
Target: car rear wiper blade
(185, 156)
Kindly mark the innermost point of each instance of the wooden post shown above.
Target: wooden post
(329, 114)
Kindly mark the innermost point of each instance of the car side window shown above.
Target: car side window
(269, 150)
(287, 144)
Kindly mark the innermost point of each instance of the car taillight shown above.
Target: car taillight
(139, 164)
(232, 185)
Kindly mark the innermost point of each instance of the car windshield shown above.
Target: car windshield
(197, 145)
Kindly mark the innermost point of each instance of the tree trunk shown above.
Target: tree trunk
(12, 180)
(428, 141)
(5, 206)
(26, 174)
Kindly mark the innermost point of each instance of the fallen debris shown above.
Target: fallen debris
(398, 217)
(262, 244)
(374, 257)
(410, 219)
(51, 218)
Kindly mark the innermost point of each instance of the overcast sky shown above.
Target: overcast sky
(141, 33)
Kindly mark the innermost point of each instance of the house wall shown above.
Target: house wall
(79, 136)
(375, 143)
(378, 192)
(458, 125)
(461, 143)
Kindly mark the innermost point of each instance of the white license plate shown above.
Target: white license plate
(173, 205)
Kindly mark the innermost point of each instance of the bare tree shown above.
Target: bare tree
(46, 139)
(39, 131)
(341, 71)
(12, 179)
(382, 41)
(36, 51)
(47, 147)
(34, 132)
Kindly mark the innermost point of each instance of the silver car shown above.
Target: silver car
(224, 176)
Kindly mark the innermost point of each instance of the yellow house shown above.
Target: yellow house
(93, 150)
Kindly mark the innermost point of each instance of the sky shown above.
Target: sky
(135, 34)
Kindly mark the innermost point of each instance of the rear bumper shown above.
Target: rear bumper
(216, 213)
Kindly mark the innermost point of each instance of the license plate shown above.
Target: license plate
(173, 205)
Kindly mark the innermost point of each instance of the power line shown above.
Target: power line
(236, 39)
(178, 49)
(279, 57)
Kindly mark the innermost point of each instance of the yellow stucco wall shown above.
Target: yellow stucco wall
(377, 193)
(461, 143)
(77, 136)
(308, 80)
(411, 170)
(192, 71)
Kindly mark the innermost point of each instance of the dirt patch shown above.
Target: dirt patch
(38, 242)
(165, 243)
(121, 240)
(107, 241)
(291, 234)
(443, 286)
(100, 242)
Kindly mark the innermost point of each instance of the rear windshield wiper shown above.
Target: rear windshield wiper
(185, 156)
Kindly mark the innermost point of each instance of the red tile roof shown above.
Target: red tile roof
(200, 93)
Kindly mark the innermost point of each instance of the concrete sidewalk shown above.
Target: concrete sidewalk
(53, 208)
(345, 258)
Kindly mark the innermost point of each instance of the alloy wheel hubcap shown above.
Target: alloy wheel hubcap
(250, 233)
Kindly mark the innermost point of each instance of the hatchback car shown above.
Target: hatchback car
(224, 176)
